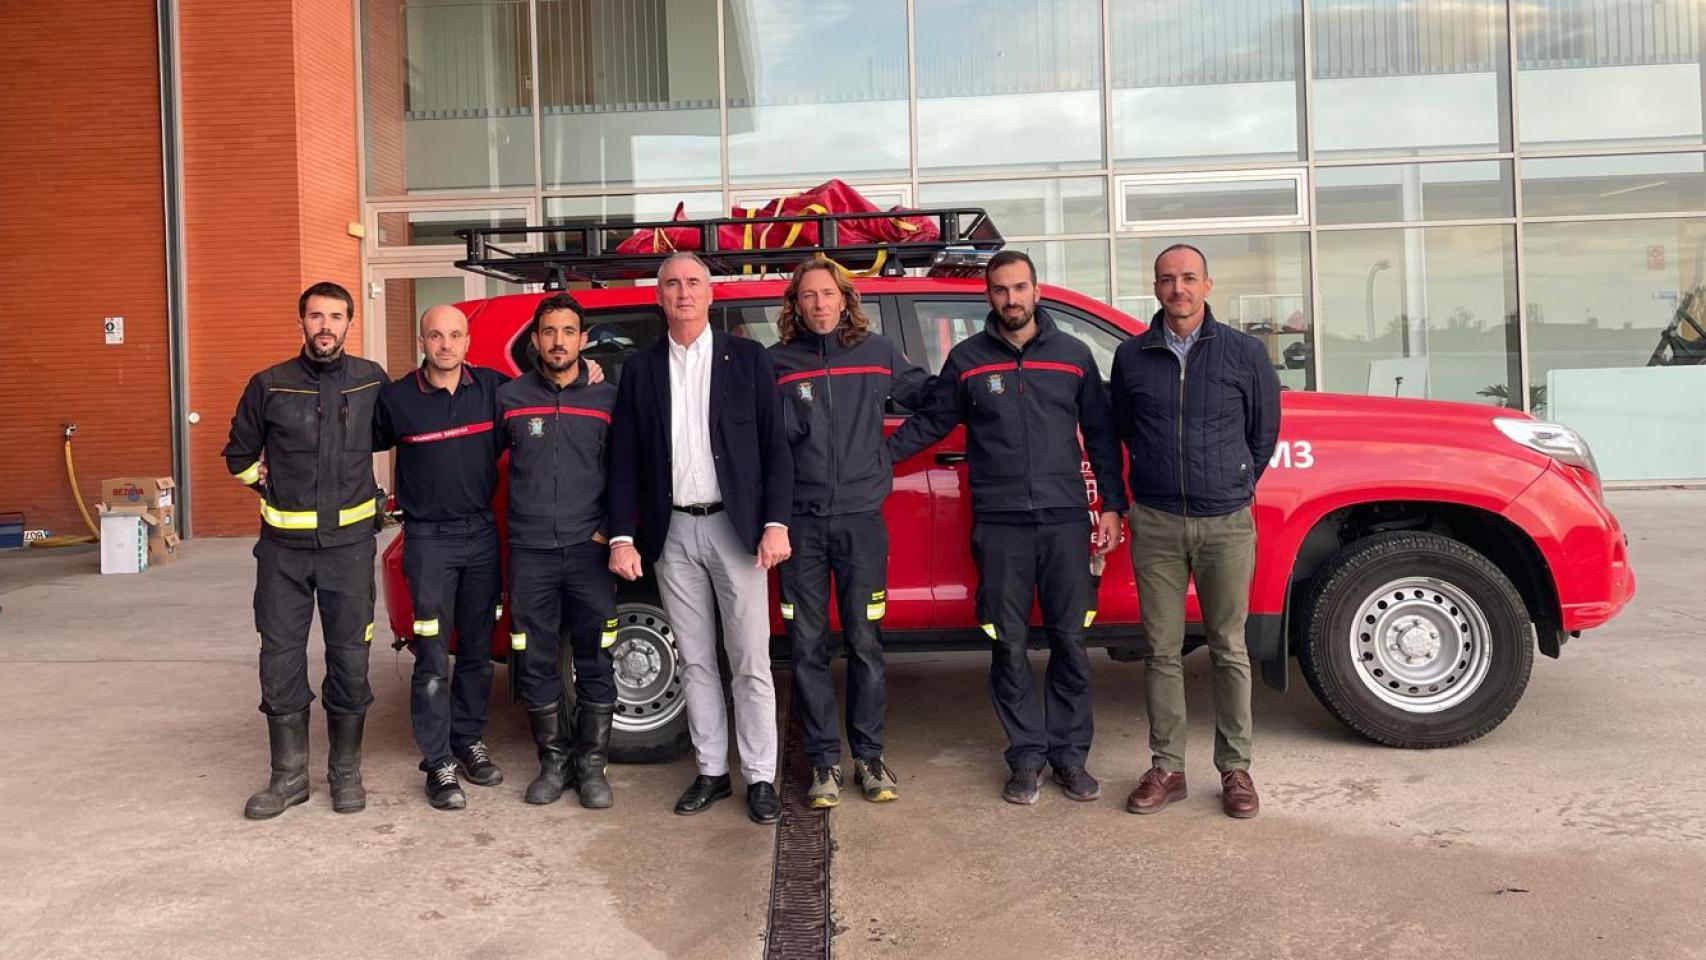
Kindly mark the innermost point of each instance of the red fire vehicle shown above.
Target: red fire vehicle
(1412, 554)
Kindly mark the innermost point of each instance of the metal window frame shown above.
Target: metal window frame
(1114, 174)
(1298, 175)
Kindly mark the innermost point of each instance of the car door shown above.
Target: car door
(907, 510)
(935, 324)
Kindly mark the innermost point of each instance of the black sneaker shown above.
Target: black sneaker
(1023, 787)
(442, 790)
(478, 763)
(1077, 783)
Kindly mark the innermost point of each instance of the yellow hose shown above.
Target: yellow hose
(94, 533)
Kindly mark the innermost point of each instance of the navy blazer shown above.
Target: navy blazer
(749, 445)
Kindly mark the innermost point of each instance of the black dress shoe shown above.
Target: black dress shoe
(703, 792)
(762, 803)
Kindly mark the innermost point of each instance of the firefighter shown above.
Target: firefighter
(302, 438)
(835, 376)
(440, 417)
(1025, 390)
(555, 423)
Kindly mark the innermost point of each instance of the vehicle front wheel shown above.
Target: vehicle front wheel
(1415, 640)
(650, 725)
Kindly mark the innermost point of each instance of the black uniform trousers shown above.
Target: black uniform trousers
(1049, 561)
(855, 550)
(455, 582)
(288, 583)
(553, 592)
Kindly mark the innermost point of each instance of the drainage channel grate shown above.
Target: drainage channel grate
(798, 928)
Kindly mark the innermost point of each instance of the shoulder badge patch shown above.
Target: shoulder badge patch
(805, 390)
(996, 383)
(536, 426)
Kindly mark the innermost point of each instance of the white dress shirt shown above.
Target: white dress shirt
(692, 472)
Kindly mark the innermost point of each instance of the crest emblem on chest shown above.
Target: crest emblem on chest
(805, 390)
(536, 426)
(997, 384)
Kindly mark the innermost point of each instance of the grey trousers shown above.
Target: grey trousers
(704, 568)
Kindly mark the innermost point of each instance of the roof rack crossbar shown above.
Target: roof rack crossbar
(586, 252)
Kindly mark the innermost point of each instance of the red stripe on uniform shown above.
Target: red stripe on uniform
(988, 368)
(462, 431)
(1057, 367)
(571, 411)
(834, 372)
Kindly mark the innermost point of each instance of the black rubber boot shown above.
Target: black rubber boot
(592, 753)
(547, 725)
(288, 738)
(343, 766)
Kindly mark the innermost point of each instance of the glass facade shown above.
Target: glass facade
(1487, 201)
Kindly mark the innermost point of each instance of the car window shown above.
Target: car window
(758, 320)
(943, 323)
(612, 337)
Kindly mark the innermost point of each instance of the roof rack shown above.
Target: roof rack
(586, 253)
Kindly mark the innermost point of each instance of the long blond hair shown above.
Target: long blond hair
(854, 325)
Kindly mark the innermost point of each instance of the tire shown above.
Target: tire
(1414, 640)
(651, 716)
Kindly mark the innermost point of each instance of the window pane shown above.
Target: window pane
(1599, 297)
(1410, 77)
(1609, 72)
(1261, 286)
(1013, 84)
(1173, 199)
(438, 227)
(1404, 192)
(1662, 183)
(448, 101)
(816, 96)
(1205, 83)
(1421, 312)
(612, 336)
(762, 321)
(629, 92)
(1078, 265)
(1022, 208)
(944, 323)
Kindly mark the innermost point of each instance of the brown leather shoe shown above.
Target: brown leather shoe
(1157, 789)
(1238, 794)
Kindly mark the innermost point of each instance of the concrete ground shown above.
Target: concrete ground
(131, 739)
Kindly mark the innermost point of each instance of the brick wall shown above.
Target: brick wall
(270, 170)
(80, 173)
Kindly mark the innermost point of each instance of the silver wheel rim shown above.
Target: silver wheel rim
(648, 671)
(1421, 645)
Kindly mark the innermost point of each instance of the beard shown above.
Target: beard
(557, 363)
(319, 352)
(1013, 323)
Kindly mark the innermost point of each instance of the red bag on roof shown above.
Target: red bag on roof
(832, 196)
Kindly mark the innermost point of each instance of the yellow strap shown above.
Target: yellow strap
(875, 268)
(518, 641)
(356, 514)
(288, 519)
(426, 628)
(794, 231)
(250, 473)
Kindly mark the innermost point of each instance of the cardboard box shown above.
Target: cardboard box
(124, 542)
(162, 549)
(158, 493)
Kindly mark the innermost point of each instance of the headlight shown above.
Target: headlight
(1553, 439)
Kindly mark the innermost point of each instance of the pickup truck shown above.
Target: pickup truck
(1412, 555)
